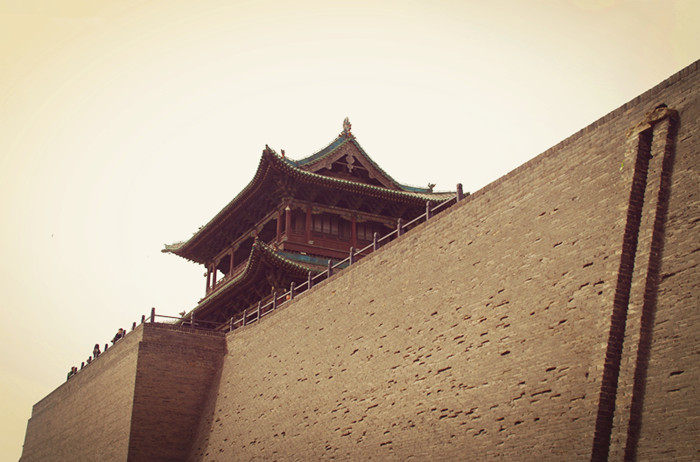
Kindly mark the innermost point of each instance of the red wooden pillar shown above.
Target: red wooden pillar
(308, 224)
(287, 221)
(353, 232)
(231, 264)
(208, 279)
(279, 226)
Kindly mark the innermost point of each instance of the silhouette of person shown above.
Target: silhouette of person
(120, 334)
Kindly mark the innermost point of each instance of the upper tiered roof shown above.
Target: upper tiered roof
(341, 166)
(346, 147)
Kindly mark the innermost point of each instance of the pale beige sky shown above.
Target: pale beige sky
(127, 124)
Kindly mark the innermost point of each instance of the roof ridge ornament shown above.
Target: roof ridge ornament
(346, 128)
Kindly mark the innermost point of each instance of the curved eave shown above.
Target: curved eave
(271, 161)
(173, 248)
(260, 255)
(182, 248)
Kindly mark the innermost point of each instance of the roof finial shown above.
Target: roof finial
(346, 127)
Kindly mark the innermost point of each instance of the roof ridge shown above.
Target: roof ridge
(347, 137)
(321, 153)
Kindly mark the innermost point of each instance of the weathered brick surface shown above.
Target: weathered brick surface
(139, 401)
(552, 315)
(485, 334)
(89, 416)
(173, 377)
(670, 423)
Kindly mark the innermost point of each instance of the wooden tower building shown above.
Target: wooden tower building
(291, 219)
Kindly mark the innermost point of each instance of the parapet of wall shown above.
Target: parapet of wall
(141, 400)
(496, 329)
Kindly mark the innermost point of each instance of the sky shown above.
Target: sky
(126, 125)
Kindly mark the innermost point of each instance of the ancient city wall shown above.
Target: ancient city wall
(89, 416)
(551, 315)
(173, 378)
(139, 401)
(660, 394)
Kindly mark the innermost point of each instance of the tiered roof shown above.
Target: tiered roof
(240, 292)
(278, 177)
(342, 146)
(341, 175)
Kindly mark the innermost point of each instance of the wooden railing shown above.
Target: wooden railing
(217, 284)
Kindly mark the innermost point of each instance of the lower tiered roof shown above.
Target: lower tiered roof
(266, 270)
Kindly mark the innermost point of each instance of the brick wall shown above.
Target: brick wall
(551, 315)
(496, 331)
(173, 377)
(665, 401)
(139, 401)
(89, 416)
